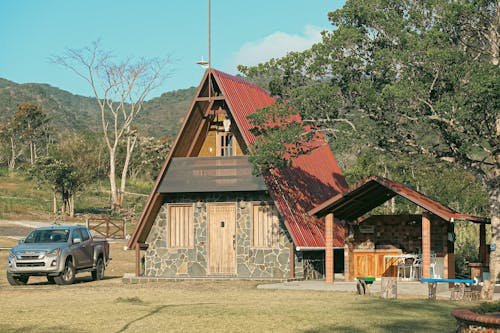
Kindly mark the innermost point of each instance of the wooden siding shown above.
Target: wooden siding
(371, 263)
(265, 232)
(180, 226)
(222, 238)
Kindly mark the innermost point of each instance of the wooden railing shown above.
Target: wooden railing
(105, 228)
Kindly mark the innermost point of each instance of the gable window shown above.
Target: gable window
(265, 233)
(225, 145)
(180, 233)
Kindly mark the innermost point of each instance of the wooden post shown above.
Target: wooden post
(329, 264)
(292, 260)
(137, 259)
(426, 245)
(483, 250)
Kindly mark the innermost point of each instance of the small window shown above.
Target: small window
(180, 226)
(225, 144)
(265, 226)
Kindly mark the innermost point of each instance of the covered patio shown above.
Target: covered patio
(427, 239)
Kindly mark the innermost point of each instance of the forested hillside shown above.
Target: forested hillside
(160, 116)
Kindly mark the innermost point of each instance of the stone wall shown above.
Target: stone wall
(251, 263)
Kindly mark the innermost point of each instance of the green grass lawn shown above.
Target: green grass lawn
(211, 306)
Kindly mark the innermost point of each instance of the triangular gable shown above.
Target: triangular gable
(312, 179)
(373, 191)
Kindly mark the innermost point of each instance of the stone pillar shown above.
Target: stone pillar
(483, 250)
(329, 264)
(426, 245)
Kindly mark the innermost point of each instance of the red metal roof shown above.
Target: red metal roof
(312, 178)
(374, 191)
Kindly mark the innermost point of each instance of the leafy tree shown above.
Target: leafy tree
(62, 179)
(423, 77)
(29, 128)
(119, 89)
(32, 124)
(150, 156)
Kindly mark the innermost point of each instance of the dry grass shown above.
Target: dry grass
(220, 306)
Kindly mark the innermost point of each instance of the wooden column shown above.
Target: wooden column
(426, 245)
(329, 272)
(483, 250)
(137, 259)
(292, 260)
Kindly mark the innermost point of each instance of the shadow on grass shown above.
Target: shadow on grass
(405, 315)
(154, 311)
(38, 329)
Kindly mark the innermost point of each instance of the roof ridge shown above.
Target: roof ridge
(240, 80)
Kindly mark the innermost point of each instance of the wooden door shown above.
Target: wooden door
(222, 238)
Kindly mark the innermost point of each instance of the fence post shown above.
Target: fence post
(107, 228)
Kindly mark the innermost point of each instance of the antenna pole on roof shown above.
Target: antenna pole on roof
(209, 54)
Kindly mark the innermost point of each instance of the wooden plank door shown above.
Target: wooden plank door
(222, 238)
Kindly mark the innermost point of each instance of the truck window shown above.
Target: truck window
(48, 236)
(85, 234)
(75, 234)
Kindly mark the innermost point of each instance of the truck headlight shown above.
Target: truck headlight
(53, 253)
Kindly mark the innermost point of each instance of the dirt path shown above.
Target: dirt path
(17, 229)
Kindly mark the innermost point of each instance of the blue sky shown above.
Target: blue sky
(243, 32)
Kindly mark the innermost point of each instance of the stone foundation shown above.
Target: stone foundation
(251, 263)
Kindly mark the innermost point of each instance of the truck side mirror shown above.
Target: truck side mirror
(21, 240)
(77, 240)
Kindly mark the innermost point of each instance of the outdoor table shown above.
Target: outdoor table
(457, 293)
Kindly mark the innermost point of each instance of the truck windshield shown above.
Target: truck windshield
(48, 236)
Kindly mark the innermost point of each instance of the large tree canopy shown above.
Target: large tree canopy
(418, 77)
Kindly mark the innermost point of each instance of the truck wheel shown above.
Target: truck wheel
(98, 273)
(17, 280)
(67, 276)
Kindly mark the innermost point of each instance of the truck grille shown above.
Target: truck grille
(29, 257)
(30, 264)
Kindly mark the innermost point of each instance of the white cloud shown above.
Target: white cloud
(274, 45)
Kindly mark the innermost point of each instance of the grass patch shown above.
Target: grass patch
(488, 307)
(130, 300)
(204, 306)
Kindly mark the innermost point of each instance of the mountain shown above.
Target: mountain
(161, 116)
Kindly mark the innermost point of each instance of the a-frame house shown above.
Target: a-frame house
(208, 216)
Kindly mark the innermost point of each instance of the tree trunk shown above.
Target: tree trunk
(131, 141)
(54, 201)
(495, 238)
(32, 153)
(71, 204)
(12, 161)
(115, 197)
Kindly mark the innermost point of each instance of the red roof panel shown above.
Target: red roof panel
(312, 178)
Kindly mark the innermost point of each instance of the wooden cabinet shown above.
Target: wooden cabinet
(371, 263)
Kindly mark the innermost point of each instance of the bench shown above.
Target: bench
(364, 284)
(458, 291)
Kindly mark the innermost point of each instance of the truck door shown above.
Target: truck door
(79, 250)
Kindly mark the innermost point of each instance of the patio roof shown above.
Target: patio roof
(373, 191)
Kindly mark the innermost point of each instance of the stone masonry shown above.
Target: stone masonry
(251, 263)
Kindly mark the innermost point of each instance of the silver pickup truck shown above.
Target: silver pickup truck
(59, 253)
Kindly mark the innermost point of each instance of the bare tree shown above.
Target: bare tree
(119, 89)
